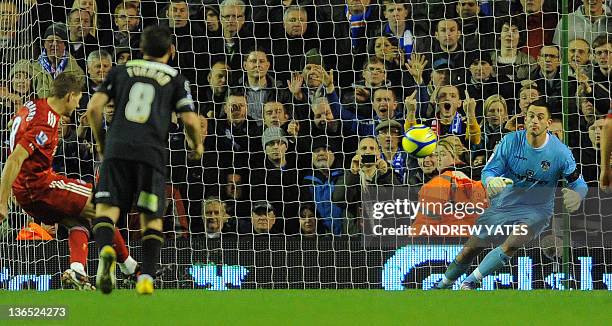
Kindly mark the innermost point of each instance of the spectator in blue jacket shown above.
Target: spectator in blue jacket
(320, 184)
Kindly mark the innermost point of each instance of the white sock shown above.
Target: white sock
(128, 266)
(477, 275)
(78, 267)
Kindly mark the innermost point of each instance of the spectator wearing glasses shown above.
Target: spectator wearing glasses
(127, 24)
(236, 37)
(597, 90)
(548, 78)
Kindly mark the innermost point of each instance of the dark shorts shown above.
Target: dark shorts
(123, 183)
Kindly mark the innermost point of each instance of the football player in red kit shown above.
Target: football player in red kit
(46, 196)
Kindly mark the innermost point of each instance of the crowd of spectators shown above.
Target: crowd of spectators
(291, 94)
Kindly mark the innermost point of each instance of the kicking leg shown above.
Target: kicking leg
(152, 239)
(496, 259)
(78, 238)
(461, 263)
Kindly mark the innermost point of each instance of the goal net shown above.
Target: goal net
(305, 181)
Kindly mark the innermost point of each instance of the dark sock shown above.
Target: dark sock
(151, 250)
(104, 231)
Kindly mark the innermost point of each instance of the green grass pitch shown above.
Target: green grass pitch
(321, 307)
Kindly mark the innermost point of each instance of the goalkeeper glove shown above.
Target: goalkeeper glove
(496, 185)
(571, 200)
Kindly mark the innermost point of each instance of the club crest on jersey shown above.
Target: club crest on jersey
(41, 138)
(545, 165)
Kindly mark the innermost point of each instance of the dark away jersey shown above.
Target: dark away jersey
(145, 94)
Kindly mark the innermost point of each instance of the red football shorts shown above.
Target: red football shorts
(59, 198)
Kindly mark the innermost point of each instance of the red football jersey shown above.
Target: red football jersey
(35, 128)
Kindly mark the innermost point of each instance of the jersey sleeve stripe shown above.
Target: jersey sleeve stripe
(184, 102)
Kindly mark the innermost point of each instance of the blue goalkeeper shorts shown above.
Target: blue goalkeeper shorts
(504, 216)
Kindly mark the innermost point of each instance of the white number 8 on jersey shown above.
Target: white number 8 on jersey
(138, 108)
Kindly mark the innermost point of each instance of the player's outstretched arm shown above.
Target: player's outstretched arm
(95, 109)
(9, 174)
(192, 131)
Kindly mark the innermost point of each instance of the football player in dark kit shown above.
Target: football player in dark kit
(146, 93)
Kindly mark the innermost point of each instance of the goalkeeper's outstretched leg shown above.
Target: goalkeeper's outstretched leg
(461, 263)
(498, 257)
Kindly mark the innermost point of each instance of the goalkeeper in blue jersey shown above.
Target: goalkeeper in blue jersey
(521, 179)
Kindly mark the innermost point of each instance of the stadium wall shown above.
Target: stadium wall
(281, 263)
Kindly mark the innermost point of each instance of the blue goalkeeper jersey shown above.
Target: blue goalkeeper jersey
(534, 171)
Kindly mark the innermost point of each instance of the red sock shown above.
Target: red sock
(78, 239)
(120, 247)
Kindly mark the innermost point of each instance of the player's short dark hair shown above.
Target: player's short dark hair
(541, 103)
(66, 83)
(155, 41)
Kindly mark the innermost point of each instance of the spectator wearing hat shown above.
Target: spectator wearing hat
(323, 123)
(53, 60)
(276, 181)
(304, 85)
(389, 135)
(212, 19)
(263, 220)
(81, 41)
(319, 185)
